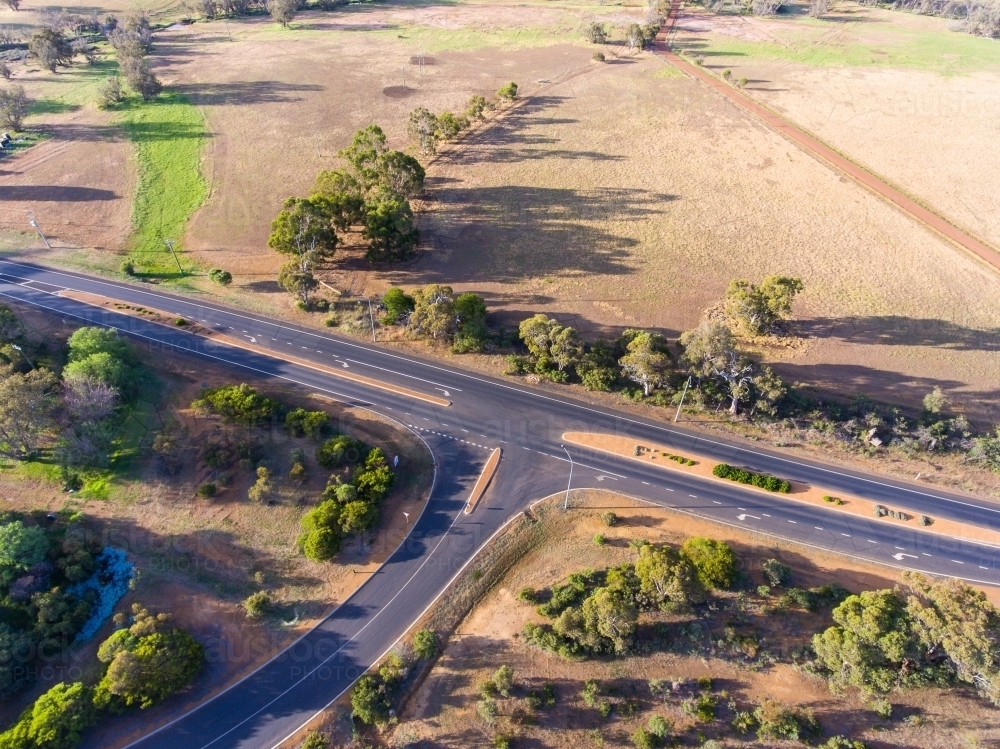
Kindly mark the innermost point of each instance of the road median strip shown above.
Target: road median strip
(483, 482)
(166, 319)
(648, 452)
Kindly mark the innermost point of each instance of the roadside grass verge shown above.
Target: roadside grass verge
(168, 134)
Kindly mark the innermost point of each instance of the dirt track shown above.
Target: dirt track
(929, 218)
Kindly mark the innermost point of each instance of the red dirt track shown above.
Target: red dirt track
(933, 221)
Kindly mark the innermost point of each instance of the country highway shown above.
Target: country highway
(484, 413)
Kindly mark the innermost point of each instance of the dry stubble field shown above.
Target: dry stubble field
(617, 195)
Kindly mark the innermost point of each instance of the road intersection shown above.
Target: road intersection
(484, 413)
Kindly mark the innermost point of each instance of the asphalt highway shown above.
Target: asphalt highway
(527, 423)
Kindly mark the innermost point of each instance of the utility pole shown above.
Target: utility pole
(679, 405)
(31, 220)
(570, 482)
(170, 246)
(371, 317)
(227, 29)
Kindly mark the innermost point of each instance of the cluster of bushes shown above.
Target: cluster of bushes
(436, 312)
(937, 633)
(349, 504)
(42, 562)
(426, 129)
(237, 404)
(370, 194)
(743, 476)
(373, 695)
(596, 612)
(146, 661)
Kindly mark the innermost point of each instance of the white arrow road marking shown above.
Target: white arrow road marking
(446, 393)
(601, 478)
(899, 557)
(744, 517)
(252, 339)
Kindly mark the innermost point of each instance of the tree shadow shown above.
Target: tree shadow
(896, 330)
(243, 93)
(55, 193)
(52, 106)
(507, 233)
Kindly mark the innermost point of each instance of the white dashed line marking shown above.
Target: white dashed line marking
(925, 553)
(742, 508)
(899, 547)
(871, 542)
(464, 430)
(846, 534)
(692, 496)
(765, 514)
(716, 503)
(983, 568)
(793, 522)
(646, 483)
(957, 562)
(669, 490)
(525, 448)
(817, 527)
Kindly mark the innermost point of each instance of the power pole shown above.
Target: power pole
(371, 316)
(679, 405)
(170, 246)
(31, 220)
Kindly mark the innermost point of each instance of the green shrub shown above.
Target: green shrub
(501, 742)
(527, 595)
(206, 490)
(56, 720)
(504, 680)
(488, 710)
(777, 721)
(704, 683)
(701, 708)
(127, 267)
(221, 277)
(397, 304)
(643, 739)
(238, 404)
(659, 727)
(743, 476)
(609, 518)
(147, 662)
(598, 57)
(777, 574)
(339, 450)
(508, 92)
(321, 535)
(425, 643)
(714, 561)
(589, 693)
(743, 723)
(312, 424)
(599, 539)
(839, 742)
(368, 701)
(257, 605)
(315, 740)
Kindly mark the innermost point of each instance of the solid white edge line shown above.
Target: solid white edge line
(460, 373)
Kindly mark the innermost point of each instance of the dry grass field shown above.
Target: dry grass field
(618, 194)
(442, 710)
(923, 122)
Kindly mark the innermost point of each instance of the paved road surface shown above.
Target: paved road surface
(484, 413)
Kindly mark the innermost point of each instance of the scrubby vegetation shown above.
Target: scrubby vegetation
(147, 660)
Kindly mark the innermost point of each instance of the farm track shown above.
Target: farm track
(923, 214)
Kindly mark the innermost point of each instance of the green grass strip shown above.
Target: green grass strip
(168, 134)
